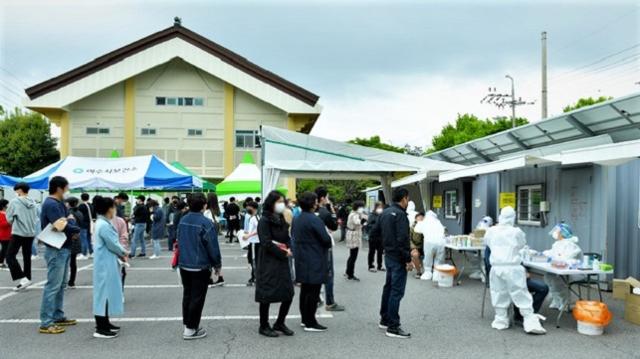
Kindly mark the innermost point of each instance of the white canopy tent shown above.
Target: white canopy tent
(288, 153)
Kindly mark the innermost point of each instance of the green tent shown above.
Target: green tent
(206, 185)
(244, 180)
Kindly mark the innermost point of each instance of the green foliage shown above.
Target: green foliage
(26, 144)
(469, 127)
(586, 101)
(375, 142)
(339, 190)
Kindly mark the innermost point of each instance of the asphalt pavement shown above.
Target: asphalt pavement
(444, 322)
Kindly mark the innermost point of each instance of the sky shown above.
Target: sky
(398, 69)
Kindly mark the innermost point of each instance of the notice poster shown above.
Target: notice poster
(437, 201)
(507, 199)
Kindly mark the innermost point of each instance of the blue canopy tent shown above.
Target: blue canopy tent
(124, 173)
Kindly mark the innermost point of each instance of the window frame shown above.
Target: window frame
(193, 132)
(530, 188)
(453, 193)
(149, 131)
(99, 131)
(161, 101)
(252, 135)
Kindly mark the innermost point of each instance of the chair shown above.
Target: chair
(589, 281)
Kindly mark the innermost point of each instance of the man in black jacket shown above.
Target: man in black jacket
(393, 227)
(233, 217)
(88, 214)
(140, 218)
(327, 214)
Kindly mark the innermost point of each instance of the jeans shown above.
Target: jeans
(53, 294)
(138, 238)
(392, 292)
(195, 285)
(156, 247)
(539, 291)
(85, 242)
(328, 285)
(16, 243)
(309, 294)
(351, 262)
(34, 248)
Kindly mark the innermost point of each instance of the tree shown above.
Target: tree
(586, 101)
(26, 144)
(469, 127)
(375, 142)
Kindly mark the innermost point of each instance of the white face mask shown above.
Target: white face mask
(66, 195)
(379, 211)
(360, 210)
(279, 207)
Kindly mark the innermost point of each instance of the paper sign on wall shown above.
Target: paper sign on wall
(437, 201)
(507, 199)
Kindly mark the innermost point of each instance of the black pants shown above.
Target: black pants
(73, 268)
(351, 261)
(16, 243)
(309, 294)
(4, 247)
(375, 250)
(195, 285)
(124, 275)
(282, 313)
(102, 322)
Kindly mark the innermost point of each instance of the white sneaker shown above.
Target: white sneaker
(24, 283)
(34, 257)
(90, 255)
(153, 257)
(81, 257)
(476, 275)
(426, 276)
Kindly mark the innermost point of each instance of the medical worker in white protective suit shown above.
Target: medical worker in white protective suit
(565, 248)
(433, 233)
(411, 213)
(484, 223)
(508, 277)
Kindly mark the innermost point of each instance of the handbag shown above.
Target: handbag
(176, 256)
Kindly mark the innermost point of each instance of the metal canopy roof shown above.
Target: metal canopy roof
(619, 118)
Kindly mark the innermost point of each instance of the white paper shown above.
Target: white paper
(243, 243)
(52, 238)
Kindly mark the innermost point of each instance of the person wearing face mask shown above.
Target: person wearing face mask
(565, 248)
(22, 214)
(54, 212)
(375, 243)
(273, 275)
(251, 235)
(140, 218)
(356, 220)
(393, 228)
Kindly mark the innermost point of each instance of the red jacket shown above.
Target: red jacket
(5, 228)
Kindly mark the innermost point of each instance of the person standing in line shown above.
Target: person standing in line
(393, 228)
(233, 218)
(327, 214)
(22, 214)
(199, 253)
(355, 222)
(122, 199)
(107, 285)
(123, 236)
(212, 213)
(311, 255)
(5, 232)
(273, 276)
(157, 228)
(251, 235)
(140, 218)
(54, 212)
(86, 225)
(76, 242)
(245, 215)
(375, 243)
(166, 208)
(171, 228)
(343, 215)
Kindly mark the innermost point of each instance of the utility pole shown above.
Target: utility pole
(512, 102)
(544, 75)
(501, 100)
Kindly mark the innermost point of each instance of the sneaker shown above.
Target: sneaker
(381, 269)
(34, 257)
(315, 328)
(334, 308)
(372, 270)
(282, 328)
(24, 283)
(219, 282)
(197, 334)
(476, 275)
(153, 257)
(71, 286)
(397, 333)
(104, 334)
(52, 329)
(353, 278)
(2, 266)
(268, 332)
(64, 322)
(383, 325)
(250, 283)
(141, 255)
(90, 255)
(114, 328)
(303, 325)
(81, 257)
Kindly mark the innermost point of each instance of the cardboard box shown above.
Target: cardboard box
(632, 309)
(621, 288)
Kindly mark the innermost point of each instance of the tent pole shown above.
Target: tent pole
(262, 157)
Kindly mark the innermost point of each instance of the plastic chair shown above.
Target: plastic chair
(589, 281)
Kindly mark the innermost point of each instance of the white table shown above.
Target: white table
(564, 274)
(478, 249)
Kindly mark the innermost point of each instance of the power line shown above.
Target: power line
(14, 76)
(11, 90)
(600, 60)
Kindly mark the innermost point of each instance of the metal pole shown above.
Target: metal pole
(512, 102)
(544, 75)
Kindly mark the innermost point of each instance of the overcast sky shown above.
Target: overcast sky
(399, 69)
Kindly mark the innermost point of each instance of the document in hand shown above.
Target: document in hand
(243, 242)
(52, 238)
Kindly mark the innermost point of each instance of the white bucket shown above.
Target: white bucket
(445, 280)
(589, 329)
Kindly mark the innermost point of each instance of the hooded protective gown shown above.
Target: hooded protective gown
(433, 232)
(564, 249)
(508, 278)
(411, 213)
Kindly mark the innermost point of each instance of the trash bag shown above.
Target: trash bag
(593, 312)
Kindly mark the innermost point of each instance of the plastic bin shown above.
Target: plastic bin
(589, 328)
(446, 275)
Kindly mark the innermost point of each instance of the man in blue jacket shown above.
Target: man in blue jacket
(199, 253)
(393, 228)
(52, 318)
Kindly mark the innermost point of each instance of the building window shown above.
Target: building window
(450, 204)
(194, 132)
(528, 203)
(188, 101)
(97, 131)
(148, 131)
(179, 101)
(172, 101)
(247, 139)
(198, 101)
(161, 101)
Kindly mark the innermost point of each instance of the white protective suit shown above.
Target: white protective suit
(564, 249)
(411, 213)
(433, 232)
(508, 278)
(476, 260)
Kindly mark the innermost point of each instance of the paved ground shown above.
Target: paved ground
(443, 322)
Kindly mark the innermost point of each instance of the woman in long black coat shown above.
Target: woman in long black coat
(273, 276)
(311, 258)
